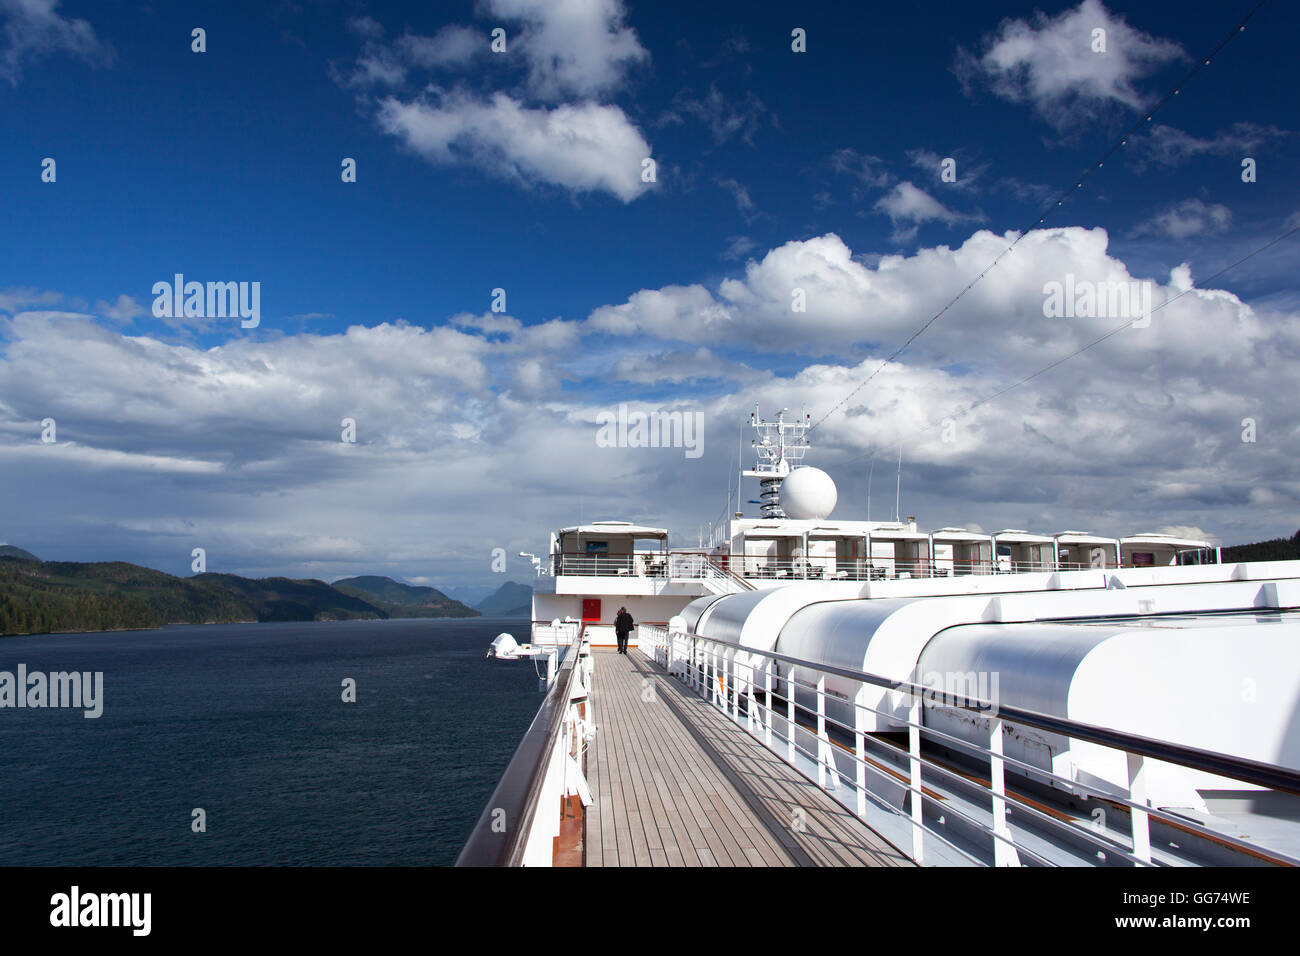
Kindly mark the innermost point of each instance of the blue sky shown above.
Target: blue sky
(773, 168)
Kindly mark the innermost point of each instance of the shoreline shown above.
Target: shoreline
(349, 620)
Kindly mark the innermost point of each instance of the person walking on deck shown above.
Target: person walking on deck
(623, 625)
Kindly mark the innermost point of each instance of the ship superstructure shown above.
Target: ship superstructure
(1004, 698)
(594, 569)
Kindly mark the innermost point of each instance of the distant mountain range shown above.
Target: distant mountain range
(509, 600)
(40, 597)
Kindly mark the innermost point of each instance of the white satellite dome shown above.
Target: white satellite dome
(808, 493)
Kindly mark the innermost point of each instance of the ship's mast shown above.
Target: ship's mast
(779, 448)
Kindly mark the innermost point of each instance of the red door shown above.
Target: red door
(591, 610)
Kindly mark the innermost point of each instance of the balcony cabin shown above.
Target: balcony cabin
(769, 550)
(837, 553)
(1079, 550)
(611, 549)
(958, 551)
(1018, 551)
(898, 551)
(1162, 550)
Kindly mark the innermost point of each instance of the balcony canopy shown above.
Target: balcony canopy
(623, 529)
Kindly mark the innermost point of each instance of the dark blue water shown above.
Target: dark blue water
(246, 721)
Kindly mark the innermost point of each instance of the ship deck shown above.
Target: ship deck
(675, 783)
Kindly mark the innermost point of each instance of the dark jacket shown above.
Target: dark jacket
(623, 623)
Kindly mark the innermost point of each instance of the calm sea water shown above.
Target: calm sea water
(246, 721)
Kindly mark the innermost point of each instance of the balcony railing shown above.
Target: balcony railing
(881, 569)
(756, 568)
(645, 564)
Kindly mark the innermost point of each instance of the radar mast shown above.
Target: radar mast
(779, 448)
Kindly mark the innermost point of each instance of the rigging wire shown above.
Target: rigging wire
(1128, 323)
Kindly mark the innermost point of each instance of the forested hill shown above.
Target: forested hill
(1275, 549)
(403, 600)
(39, 597)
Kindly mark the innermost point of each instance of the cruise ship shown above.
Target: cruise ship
(808, 689)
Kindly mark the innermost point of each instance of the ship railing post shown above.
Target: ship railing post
(752, 718)
(709, 689)
(914, 752)
(718, 679)
(767, 710)
(733, 684)
(725, 684)
(1004, 851)
(860, 741)
(705, 687)
(713, 675)
(789, 717)
(821, 731)
(1137, 793)
(733, 675)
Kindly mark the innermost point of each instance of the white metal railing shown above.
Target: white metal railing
(882, 569)
(761, 569)
(705, 566)
(522, 818)
(652, 564)
(951, 816)
(559, 633)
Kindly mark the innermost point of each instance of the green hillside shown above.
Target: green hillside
(174, 600)
(34, 603)
(1275, 549)
(42, 597)
(286, 599)
(403, 600)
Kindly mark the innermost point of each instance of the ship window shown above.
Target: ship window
(598, 547)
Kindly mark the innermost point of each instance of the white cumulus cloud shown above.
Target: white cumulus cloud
(1052, 64)
(584, 148)
(573, 47)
